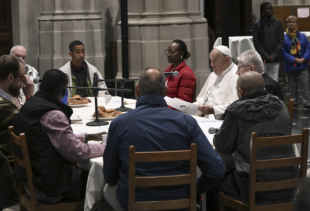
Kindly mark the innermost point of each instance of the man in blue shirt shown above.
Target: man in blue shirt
(152, 126)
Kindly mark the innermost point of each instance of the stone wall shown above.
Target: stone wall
(46, 27)
(256, 4)
(153, 24)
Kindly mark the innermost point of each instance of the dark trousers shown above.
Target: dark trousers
(303, 76)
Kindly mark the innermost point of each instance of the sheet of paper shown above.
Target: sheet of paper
(75, 117)
(167, 99)
(303, 12)
(183, 106)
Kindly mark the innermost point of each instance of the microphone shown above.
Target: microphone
(36, 81)
(173, 74)
(95, 81)
(213, 130)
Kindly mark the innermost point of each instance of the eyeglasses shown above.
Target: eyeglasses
(170, 52)
(243, 66)
(21, 76)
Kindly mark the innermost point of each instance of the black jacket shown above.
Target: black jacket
(273, 41)
(7, 184)
(52, 173)
(266, 115)
(273, 87)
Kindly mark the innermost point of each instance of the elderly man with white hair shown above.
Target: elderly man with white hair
(219, 90)
(21, 52)
(251, 61)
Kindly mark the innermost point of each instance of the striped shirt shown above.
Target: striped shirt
(7, 113)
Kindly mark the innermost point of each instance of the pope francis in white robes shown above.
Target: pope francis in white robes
(219, 90)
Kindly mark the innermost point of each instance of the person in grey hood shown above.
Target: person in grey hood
(268, 38)
(263, 113)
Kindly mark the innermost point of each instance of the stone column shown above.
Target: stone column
(25, 27)
(153, 24)
(61, 22)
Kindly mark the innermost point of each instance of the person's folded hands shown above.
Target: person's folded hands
(206, 109)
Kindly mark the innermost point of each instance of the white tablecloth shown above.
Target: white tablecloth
(95, 182)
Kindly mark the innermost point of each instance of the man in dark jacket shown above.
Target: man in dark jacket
(152, 126)
(268, 38)
(263, 113)
(53, 147)
(251, 61)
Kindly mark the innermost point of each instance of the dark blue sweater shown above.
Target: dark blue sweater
(152, 126)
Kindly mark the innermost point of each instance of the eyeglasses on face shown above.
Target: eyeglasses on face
(170, 52)
(21, 76)
(243, 66)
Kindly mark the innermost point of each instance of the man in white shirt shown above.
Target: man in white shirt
(21, 52)
(219, 90)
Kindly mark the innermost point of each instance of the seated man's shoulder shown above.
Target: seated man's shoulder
(4, 102)
(90, 65)
(66, 67)
(32, 68)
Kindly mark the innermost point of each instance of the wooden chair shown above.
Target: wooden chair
(162, 180)
(267, 164)
(290, 108)
(24, 201)
(194, 96)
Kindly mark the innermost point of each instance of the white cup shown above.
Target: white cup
(104, 138)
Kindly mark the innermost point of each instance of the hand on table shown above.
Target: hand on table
(270, 58)
(96, 136)
(28, 86)
(206, 109)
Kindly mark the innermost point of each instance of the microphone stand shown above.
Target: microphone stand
(97, 121)
(122, 82)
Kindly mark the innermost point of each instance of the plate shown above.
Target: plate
(77, 105)
(104, 118)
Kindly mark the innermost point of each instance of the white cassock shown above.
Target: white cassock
(219, 91)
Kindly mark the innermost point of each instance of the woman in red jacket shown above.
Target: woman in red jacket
(182, 86)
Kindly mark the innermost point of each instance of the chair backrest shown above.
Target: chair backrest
(153, 181)
(194, 96)
(276, 163)
(24, 163)
(290, 107)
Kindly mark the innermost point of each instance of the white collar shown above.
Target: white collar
(5, 95)
(226, 70)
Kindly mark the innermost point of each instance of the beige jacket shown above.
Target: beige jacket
(92, 70)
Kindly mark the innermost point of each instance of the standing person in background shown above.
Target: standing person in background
(296, 53)
(268, 40)
(182, 86)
